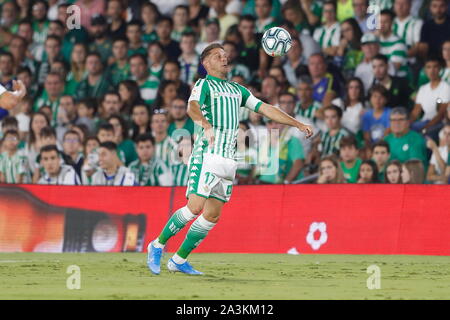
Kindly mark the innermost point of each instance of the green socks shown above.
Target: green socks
(178, 220)
(197, 232)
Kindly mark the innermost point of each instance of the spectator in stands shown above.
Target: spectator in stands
(432, 99)
(40, 25)
(295, 66)
(117, 26)
(54, 172)
(119, 67)
(38, 120)
(198, 12)
(124, 144)
(353, 105)
(110, 171)
(130, 95)
(375, 121)
(330, 171)
(360, 14)
(405, 144)
(368, 172)
(181, 123)
(445, 71)
(96, 83)
(211, 35)
(189, 60)
(25, 75)
(250, 48)
(306, 109)
(393, 174)
(72, 147)
(172, 72)
(147, 169)
(348, 151)
(99, 33)
(439, 158)
(67, 115)
(278, 73)
(392, 46)
(148, 83)
(52, 52)
(406, 26)
(235, 67)
(270, 89)
(54, 87)
(413, 172)
(90, 8)
(349, 53)
(149, 16)
(327, 143)
(225, 20)
(246, 156)
(380, 155)
(180, 22)
(18, 49)
(164, 29)
(86, 110)
(77, 67)
(325, 86)
(165, 147)
(399, 89)
(110, 105)
(90, 155)
(167, 91)
(156, 59)
(13, 164)
(436, 30)
(329, 34)
(264, 19)
(134, 36)
(140, 116)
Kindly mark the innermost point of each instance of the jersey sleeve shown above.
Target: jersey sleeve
(249, 100)
(199, 92)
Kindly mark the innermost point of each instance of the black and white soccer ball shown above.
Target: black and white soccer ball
(276, 42)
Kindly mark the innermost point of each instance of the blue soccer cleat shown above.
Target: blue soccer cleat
(184, 268)
(154, 258)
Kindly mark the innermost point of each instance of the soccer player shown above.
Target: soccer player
(213, 105)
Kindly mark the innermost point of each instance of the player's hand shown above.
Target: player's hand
(19, 88)
(307, 129)
(209, 135)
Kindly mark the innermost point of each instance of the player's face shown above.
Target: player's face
(432, 69)
(380, 155)
(51, 162)
(145, 150)
(105, 135)
(366, 172)
(217, 62)
(348, 153)
(393, 174)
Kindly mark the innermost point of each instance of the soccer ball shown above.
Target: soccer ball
(276, 42)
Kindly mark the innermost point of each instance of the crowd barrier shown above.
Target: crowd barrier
(305, 219)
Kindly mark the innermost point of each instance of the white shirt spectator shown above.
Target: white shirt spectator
(123, 177)
(443, 151)
(351, 116)
(166, 7)
(67, 176)
(428, 97)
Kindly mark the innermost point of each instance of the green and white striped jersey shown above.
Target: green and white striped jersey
(328, 36)
(309, 112)
(13, 167)
(395, 49)
(166, 151)
(220, 102)
(408, 30)
(180, 174)
(149, 89)
(330, 144)
(152, 173)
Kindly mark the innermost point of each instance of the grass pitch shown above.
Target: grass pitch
(227, 276)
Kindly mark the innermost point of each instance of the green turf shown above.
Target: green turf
(228, 276)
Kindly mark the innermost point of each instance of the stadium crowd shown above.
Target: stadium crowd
(107, 101)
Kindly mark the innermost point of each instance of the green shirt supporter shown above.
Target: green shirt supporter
(188, 125)
(104, 49)
(176, 35)
(44, 100)
(180, 174)
(13, 167)
(149, 89)
(351, 174)
(290, 150)
(72, 84)
(72, 37)
(409, 146)
(85, 90)
(249, 8)
(141, 50)
(150, 37)
(117, 74)
(153, 173)
(423, 78)
(381, 175)
(129, 150)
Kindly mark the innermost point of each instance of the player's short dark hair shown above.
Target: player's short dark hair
(47, 132)
(336, 109)
(206, 52)
(106, 127)
(348, 141)
(10, 121)
(11, 132)
(381, 57)
(49, 148)
(382, 144)
(111, 146)
(144, 138)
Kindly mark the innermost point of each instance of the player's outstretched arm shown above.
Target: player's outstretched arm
(278, 115)
(9, 99)
(196, 115)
